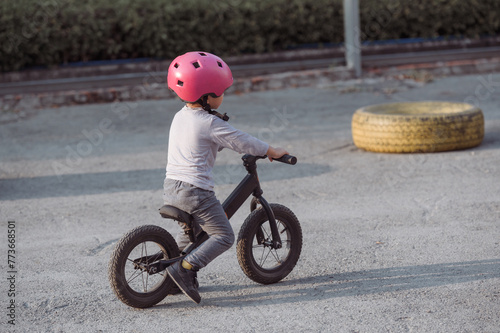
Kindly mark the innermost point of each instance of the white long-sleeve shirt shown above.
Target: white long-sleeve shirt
(195, 138)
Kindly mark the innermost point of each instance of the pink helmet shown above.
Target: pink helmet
(196, 74)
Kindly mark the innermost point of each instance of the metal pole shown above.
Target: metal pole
(352, 33)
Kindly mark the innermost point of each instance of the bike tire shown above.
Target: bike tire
(121, 262)
(253, 253)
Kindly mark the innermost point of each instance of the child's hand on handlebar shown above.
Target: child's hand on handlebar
(275, 152)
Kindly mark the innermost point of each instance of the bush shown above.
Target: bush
(52, 32)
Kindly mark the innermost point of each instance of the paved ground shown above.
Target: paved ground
(392, 243)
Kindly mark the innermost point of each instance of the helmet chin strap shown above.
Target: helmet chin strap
(206, 107)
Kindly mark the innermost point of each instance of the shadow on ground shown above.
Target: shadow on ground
(375, 281)
(137, 180)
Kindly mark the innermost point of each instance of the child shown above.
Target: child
(197, 133)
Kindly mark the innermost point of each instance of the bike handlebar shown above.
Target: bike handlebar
(251, 159)
(288, 159)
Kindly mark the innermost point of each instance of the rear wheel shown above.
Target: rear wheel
(131, 260)
(257, 258)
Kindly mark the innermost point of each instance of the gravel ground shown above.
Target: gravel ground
(392, 243)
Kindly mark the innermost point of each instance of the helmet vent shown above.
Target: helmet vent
(180, 83)
(219, 63)
(203, 54)
(176, 65)
(196, 64)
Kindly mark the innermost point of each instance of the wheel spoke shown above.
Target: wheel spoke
(145, 250)
(131, 263)
(276, 256)
(134, 275)
(262, 255)
(262, 258)
(145, 286)
(266, 232)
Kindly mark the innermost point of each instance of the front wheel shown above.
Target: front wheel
(256, 255)
(131, 262)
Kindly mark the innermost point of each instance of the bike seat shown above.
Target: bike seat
(171, 212)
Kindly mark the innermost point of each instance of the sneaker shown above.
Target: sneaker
(185, 280)
(174, 290)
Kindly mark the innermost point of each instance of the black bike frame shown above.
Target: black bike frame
(250, 185)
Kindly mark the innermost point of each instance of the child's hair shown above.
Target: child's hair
(194, 76)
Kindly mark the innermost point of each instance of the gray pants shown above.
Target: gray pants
(208, 213)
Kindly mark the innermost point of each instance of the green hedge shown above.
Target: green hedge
(51, 32)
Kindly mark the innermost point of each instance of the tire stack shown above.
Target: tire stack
(417, 127)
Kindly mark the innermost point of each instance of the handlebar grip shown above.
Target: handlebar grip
(288, 159)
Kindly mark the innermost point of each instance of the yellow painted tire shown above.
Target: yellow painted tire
(417, 127)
